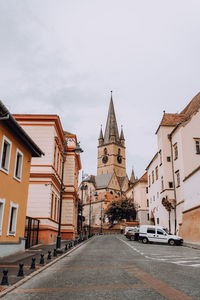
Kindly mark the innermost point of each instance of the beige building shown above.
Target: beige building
(45, 177)
(173, 173)
(138, 192)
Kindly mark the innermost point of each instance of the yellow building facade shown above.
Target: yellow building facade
(16, 151)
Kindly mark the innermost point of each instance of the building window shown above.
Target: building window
(177, 178)
(157, 173)
(149, 180)
(162, 184)
(55, 208)
(157, 221)
(147, 203)
(147, 217)
(197, 146)
(52, 205)
(146, 190)
(18, 165)
(152, 177)
(153, 198)
(175, 151)
(170, 184)
(168, 158)
(105, 151)
(160, 154)
(12, 219)
(5, 155)
(2, 204)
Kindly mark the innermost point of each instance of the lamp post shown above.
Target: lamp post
(101, 217)
(77, 151)
(90, 210)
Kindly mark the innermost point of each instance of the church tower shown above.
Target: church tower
(111, 147)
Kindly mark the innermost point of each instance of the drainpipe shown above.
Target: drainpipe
(175, 221)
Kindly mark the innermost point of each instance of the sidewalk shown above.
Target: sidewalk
(11, 262)
(193, 245)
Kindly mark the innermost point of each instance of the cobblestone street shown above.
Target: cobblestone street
(111, 267)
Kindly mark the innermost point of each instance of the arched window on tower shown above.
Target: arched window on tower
(105, 151)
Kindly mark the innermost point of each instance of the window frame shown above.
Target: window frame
(5, 139)
(197, 140)
(2, 201)
(21, 167)
(178, 179)
(156, 172)
(16, 206)
(175, 146)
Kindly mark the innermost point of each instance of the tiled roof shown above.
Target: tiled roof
(143, 178)
(193, 106)
(172, 119)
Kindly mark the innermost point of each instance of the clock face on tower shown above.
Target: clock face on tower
(105, 159)
(119, 159)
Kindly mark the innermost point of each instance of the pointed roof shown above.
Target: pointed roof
(122, 134)
(101, 134)
(111, 124)
(132, 179)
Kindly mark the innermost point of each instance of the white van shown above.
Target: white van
(152, 233)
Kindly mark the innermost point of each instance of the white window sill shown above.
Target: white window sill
(4, 170)
(18, 179)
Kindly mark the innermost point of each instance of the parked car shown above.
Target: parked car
(133, 234)
(152, 233)
(127, 229)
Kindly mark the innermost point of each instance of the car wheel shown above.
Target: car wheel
(145, 240)
(171, 242)
(132, 238)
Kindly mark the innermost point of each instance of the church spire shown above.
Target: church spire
(132, 179)
(101, 136)
(111, 131)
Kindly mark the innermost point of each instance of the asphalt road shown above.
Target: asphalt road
(111, 267)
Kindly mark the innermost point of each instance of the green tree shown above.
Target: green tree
(121, 209)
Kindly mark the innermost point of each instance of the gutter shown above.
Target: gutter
(175, 204)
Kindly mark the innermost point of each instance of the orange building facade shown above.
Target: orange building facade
(16, 151)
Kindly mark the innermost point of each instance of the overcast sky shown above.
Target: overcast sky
(64, 56)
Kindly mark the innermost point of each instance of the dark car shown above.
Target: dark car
(133, 234)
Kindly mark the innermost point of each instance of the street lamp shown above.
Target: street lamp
(101, 217)
(77, 151)
(90, 210)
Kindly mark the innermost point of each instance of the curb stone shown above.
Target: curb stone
(19, 283)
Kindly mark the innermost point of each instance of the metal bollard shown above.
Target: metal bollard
(54, 252)
(42, 259)
(32, 263)
(21, 270)
(49, 255)
(5, 277)
(66, 247)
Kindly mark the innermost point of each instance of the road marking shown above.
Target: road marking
(166, 258)
(195, 265)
